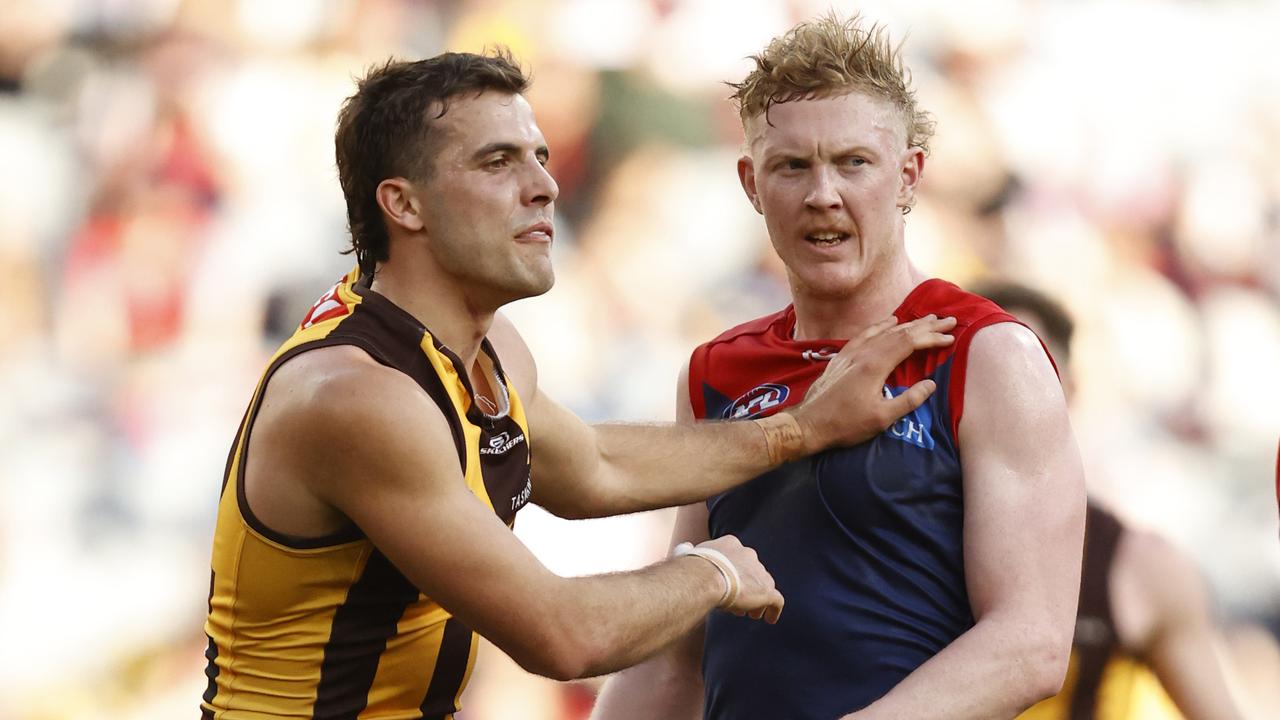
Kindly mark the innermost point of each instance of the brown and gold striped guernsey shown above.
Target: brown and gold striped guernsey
(1104, 681)
(327, 628)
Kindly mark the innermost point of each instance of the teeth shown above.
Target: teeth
(828, 237)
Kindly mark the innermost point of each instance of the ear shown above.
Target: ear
(747, 176)
(399, 205)
(912, 170)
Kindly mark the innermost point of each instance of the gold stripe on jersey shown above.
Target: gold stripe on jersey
(327, 628)
(1128, 690)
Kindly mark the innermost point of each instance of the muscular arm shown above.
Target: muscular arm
(1023, 537)
(669, 684)
(581, 470)
(376, 449)
(1178, 640)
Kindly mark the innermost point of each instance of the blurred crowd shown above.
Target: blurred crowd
(169, 208)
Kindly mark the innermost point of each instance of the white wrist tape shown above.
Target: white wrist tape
(732, 581)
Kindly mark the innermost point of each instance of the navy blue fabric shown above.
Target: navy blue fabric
(866, 545)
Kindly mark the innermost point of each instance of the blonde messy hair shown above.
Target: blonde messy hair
(827, 57)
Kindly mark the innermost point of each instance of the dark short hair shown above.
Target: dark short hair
(384, 131)
(1014, 298)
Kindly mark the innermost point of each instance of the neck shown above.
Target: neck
(822, 317)
(438, 301)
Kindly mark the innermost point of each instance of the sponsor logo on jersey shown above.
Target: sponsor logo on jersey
(819, 355)
(329, 306)
(915, 427)
(757, 400)
(502, 442)
(522, 498)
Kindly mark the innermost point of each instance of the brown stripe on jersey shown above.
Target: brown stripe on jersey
(361, 627)
(504, 461)
(451, 670)
(506, 474)
(211, 668)
(231, 454)
(393, 337)
(1101, 536)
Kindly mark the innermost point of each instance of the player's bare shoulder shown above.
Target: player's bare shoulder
(1007, 359)
(329, 385)
(337, 400)
(1012, 395)
(1009, 347)
(328, 415)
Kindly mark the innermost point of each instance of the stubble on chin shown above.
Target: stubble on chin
(528, 281)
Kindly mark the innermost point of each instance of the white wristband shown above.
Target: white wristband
(728, 571)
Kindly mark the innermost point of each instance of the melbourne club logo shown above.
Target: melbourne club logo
(757, 400)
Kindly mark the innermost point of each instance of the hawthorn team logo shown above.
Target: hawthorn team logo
(329, 306)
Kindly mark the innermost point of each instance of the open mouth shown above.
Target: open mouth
(827, 239)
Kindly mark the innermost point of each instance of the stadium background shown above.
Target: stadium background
(169, 208)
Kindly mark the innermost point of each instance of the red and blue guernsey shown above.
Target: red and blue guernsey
(865, 543)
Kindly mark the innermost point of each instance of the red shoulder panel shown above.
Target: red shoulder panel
(972, 313)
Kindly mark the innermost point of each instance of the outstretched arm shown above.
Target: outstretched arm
(1023, 539)
(375, 448)
(669, 684)
(588, 471)
(1178, 642)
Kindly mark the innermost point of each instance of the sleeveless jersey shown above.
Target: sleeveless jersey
(328, 628)
(864, 542)
(1104, 682)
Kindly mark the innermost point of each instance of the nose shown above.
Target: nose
(540, 188)
(823, 194)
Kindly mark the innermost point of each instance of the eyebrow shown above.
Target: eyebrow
(785, 154)
(541, 152)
